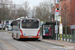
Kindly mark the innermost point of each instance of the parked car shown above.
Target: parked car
(9, 28)
(2, 26)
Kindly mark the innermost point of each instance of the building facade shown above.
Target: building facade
(67, 7)
(66, 11)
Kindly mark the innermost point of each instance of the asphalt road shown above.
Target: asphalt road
(8, 43)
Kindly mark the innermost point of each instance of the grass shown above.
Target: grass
(64, 36)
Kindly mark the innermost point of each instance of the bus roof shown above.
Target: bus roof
(24, 18)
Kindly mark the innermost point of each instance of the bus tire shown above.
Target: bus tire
(17, 37)
(35, 39)
(13, 36)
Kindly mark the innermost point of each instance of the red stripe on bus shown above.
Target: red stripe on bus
(21, 32)
(38, 32)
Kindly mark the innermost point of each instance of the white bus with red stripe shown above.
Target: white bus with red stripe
(26, 28)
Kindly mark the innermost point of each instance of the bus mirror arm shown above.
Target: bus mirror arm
(11, 24)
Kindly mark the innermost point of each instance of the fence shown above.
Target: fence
(69, 36)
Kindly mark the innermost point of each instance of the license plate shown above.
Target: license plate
(29, 36)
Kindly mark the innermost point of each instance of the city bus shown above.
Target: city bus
(26, 28)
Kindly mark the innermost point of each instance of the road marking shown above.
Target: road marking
(29, 46)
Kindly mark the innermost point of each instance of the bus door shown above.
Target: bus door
(15, 27)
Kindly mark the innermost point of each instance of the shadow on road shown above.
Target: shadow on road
(28, 40)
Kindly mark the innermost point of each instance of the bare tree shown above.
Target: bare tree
(26, 8)
(4, 9)
(21, 12)
(42, 12)
(13, 11)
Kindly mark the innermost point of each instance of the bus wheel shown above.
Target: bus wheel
(36, 39)
(17, 36)
(13, 36)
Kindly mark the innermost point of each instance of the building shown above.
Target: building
(67, 6)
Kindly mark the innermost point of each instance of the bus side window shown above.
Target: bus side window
(18, 24)
(12, 24)
(15, 27)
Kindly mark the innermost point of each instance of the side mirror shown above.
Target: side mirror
(11, 24)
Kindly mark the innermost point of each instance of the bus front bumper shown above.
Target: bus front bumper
(29, 36)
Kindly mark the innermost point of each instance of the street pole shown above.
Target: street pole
(60, 30)
(56, 21)
(56, 25)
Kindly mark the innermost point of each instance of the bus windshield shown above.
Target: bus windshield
(30, 23)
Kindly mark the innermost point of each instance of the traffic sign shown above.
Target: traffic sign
(56, 12)
(57, 17)
(56, 28)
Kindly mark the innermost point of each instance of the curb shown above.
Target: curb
(53, 43)
(57, 44)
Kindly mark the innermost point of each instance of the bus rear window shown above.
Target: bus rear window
(30, 23)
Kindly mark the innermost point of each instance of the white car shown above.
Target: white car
(9, 27)
(2, 25)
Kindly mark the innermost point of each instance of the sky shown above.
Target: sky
(32, 3)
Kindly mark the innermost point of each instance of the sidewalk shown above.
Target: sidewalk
(3, 31)
(60, 43)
